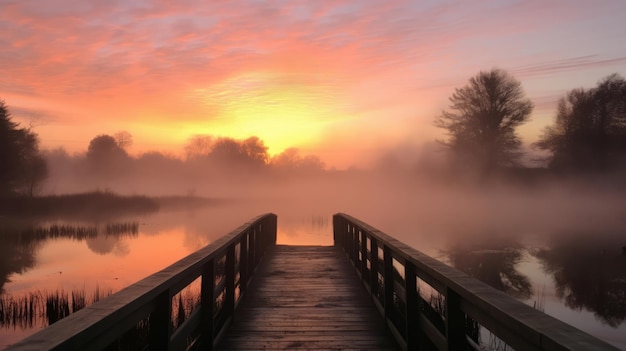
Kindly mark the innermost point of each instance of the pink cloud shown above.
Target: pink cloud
(370, 55)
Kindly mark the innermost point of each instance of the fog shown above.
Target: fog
(414, 195)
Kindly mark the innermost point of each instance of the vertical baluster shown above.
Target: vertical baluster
(388, 285)
(412, 310)
(229, 304)
(335, 229)
(259, 245)
(355, 247)
(455, 321)
(243, 263)
(374, 266)
(207, 302)
(363, 266)
(252, 250)
(274, 228)
(160, 322)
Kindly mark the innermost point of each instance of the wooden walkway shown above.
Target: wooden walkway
(307, 297)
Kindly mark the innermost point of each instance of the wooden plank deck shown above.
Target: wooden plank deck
(307, 297)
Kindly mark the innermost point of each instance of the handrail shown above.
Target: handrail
(226, 267)
(393, 273)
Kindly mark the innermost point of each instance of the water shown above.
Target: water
(580, 282)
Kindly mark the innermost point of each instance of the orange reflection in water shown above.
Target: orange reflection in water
(313, 230)
(107, 262)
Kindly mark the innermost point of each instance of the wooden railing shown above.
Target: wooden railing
(430, 305)
(144, 309)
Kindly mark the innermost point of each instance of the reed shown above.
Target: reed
(77, 231)
(41, 308)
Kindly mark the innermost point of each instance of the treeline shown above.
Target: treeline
(588, 135)
(210, 166)
(107, 155)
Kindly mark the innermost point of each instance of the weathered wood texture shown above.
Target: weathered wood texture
(102, 324)
(465, 299)
(307, 297)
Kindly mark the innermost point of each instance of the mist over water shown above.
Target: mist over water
(526, 237)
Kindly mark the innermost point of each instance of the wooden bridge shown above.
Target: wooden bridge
(369, 291)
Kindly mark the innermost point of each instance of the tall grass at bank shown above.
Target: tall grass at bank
(78, 232)
(41, 308)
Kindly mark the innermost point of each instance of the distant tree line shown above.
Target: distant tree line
(106, 152)
(588, 134)
(214, 164)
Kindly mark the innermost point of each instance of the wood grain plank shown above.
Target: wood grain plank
(307, 297)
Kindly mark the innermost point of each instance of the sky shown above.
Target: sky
(345, 80)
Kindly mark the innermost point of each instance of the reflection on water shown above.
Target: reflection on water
(494, 263)
(589, 275)
(569, 277)
(305, 230)
(50, 271)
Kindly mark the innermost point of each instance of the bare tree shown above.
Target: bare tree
(482, 119)
(124, 139)
(198, 146)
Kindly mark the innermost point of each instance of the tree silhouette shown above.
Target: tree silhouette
(588, 275)
(290, 160)
(494, 264)
(198, 146)
(589, 131)
(123, 139)
(105, 156)
(229, 152)
(482, 120)
(22, 168)
(15, 257)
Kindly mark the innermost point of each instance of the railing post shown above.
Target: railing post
(252, 249)
(258, 246)
(348, 241)
(388, 269)
(229, 305)
(273, 228)
(160, 322)
(455, 321)
(207, 301)
(243, 264)
(336, 230)
(374, 267)
(363, 249)
(412, 310)
(354, 247)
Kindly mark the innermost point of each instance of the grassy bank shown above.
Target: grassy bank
(86, 205)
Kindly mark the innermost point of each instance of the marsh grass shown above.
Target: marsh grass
(77, 231)
(92, 205)
(41, 308)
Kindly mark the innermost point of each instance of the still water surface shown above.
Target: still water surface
(577, 283)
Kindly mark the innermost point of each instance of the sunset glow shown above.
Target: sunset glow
(333, 78)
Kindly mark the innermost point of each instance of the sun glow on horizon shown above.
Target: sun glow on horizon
(283, 113)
